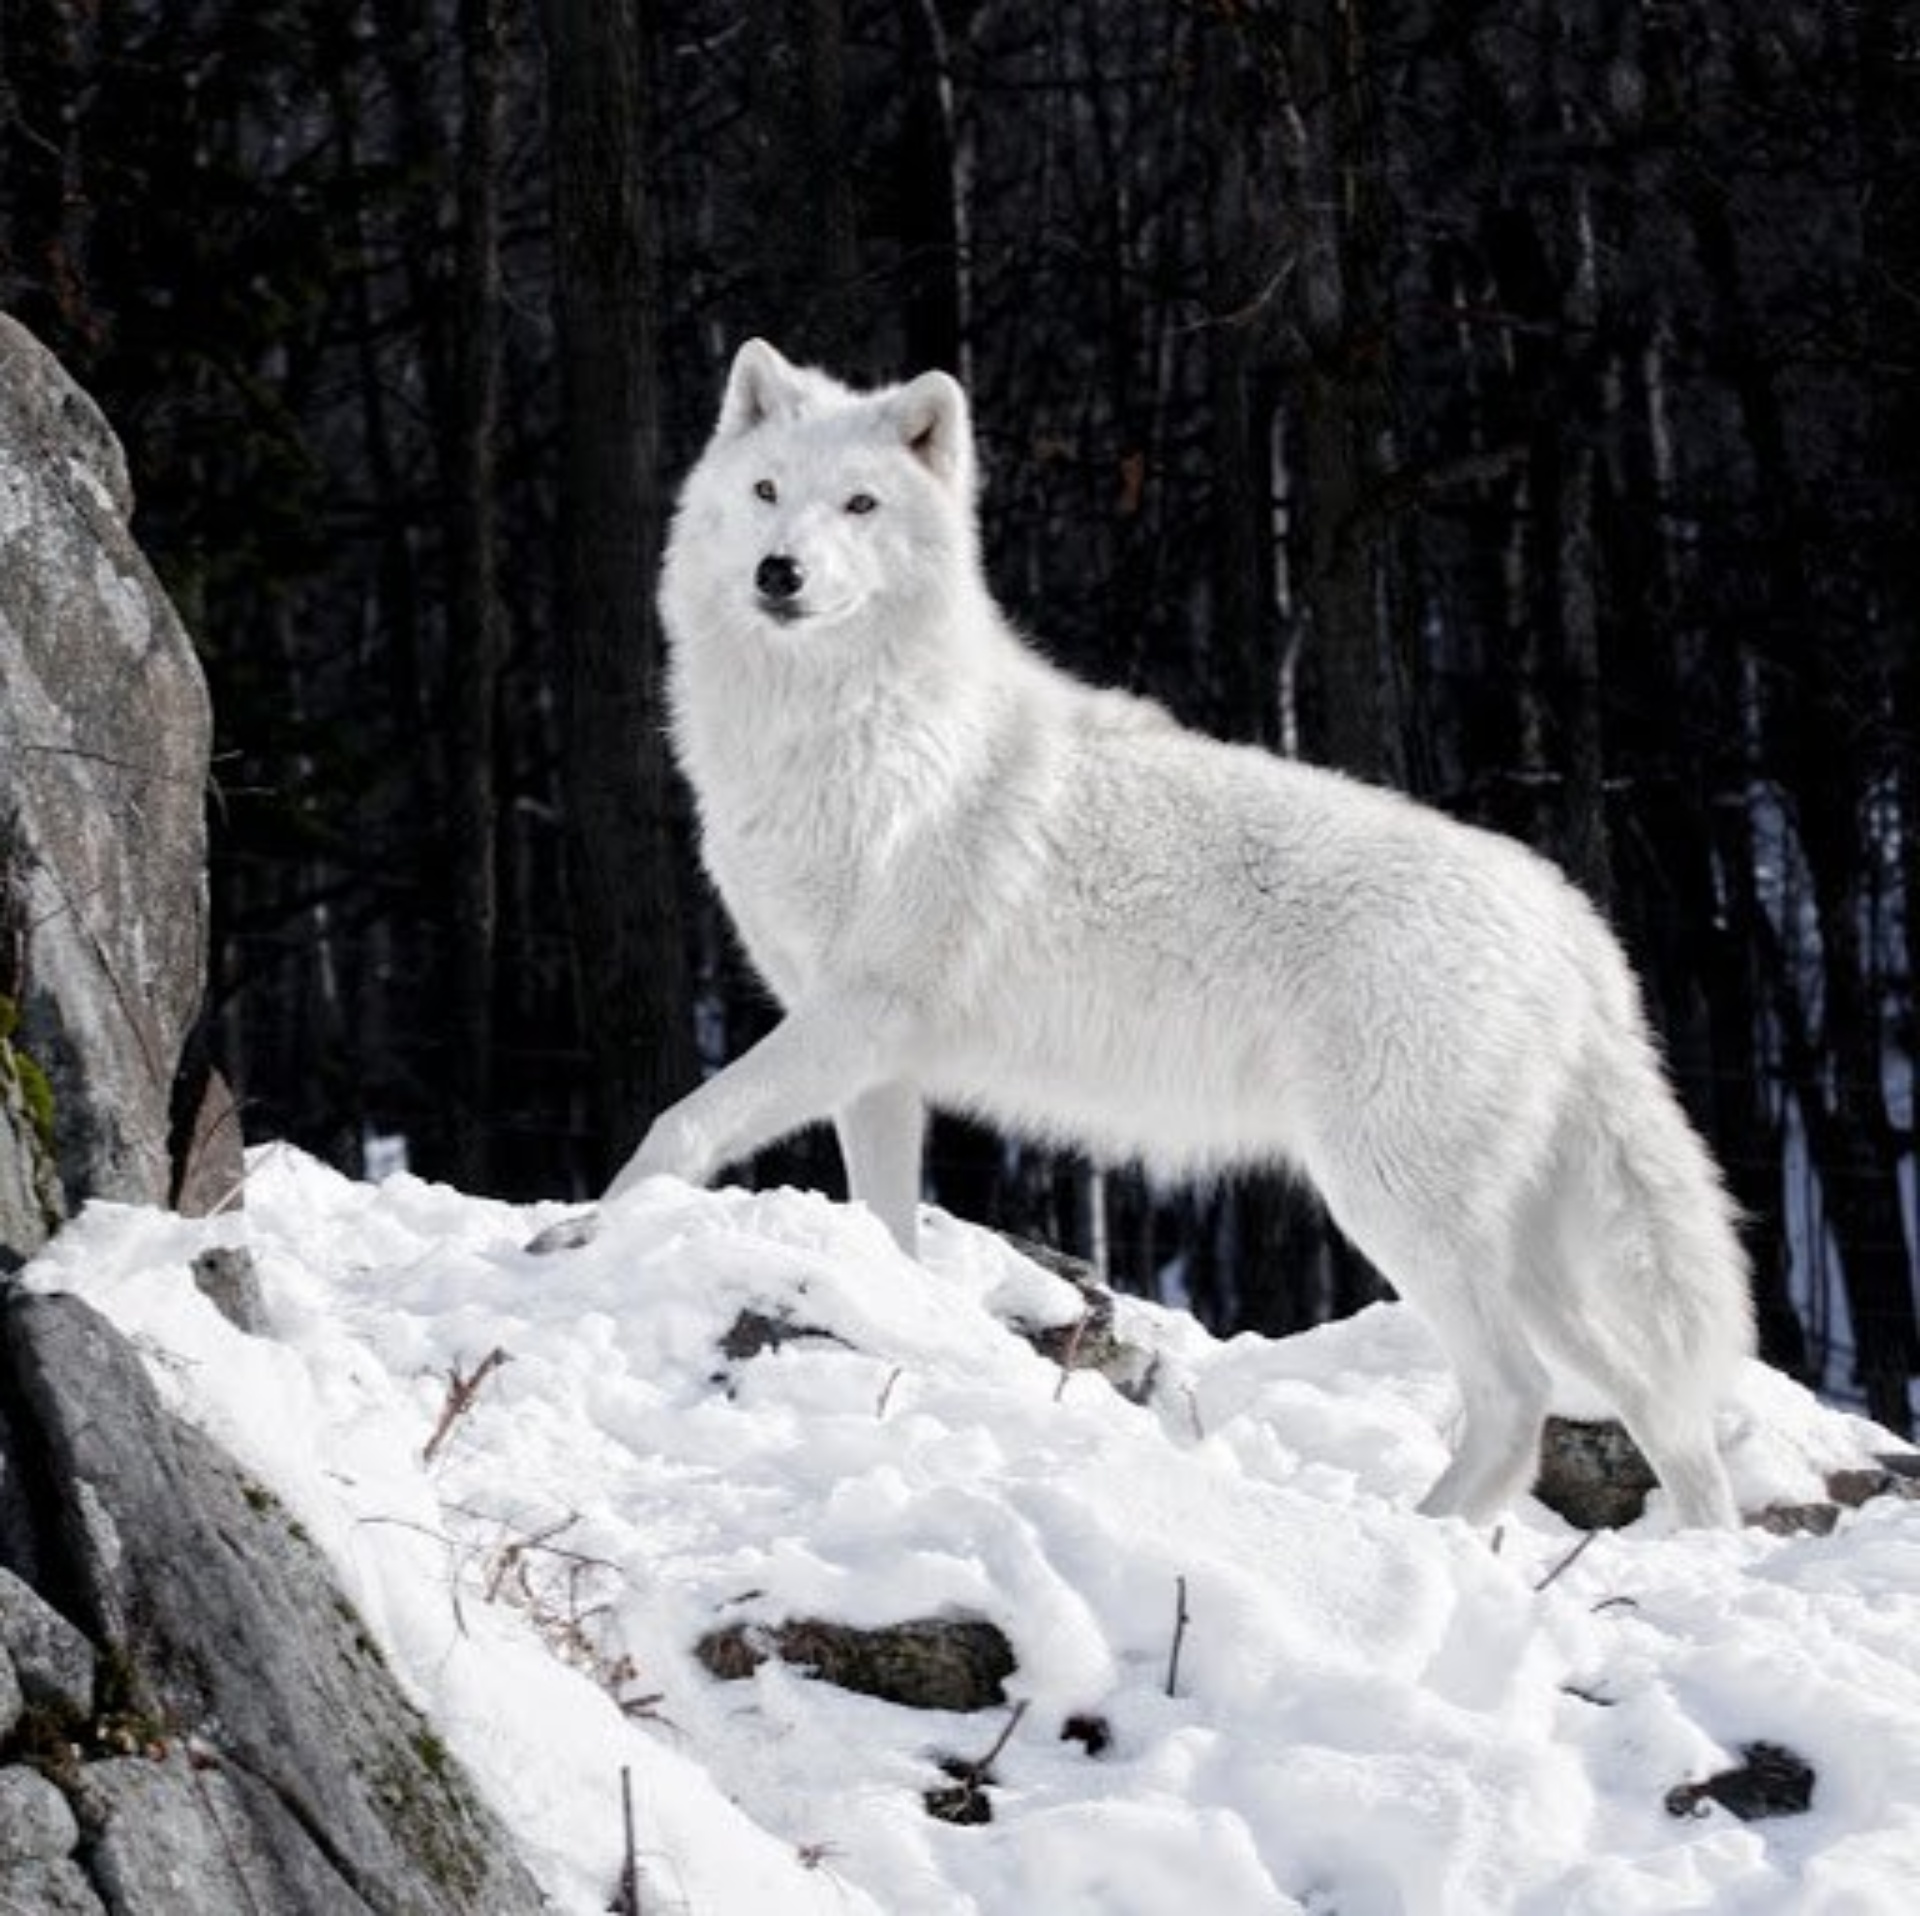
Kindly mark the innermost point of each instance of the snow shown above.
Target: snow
(1376, 1714)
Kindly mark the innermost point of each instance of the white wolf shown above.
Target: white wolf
(976, 883)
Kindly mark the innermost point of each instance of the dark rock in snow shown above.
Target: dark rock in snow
(1894, 1475)
(1094, 1734)
(1771, 1781)
(755, 1331)
(1797, 1520)
(1087, 1342)
(1592, 1474)
(930, 1663)
(963, 1800)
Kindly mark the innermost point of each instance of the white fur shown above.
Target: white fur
(976, 883)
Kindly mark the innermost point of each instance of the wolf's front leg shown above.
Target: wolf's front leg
(881, 1133)
(818, 1060)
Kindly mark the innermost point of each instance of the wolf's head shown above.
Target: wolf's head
(818, 508)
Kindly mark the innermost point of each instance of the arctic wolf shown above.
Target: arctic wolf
(978, 884)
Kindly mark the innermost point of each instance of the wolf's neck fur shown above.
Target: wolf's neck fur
(758, 697)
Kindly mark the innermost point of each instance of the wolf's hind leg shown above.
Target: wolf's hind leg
(1679, 1443)
(1640, 1366)
(880, 1133)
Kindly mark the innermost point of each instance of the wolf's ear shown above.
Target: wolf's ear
(761, 386)
(931, 414)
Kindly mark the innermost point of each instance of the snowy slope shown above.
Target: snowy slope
(1376, 1715)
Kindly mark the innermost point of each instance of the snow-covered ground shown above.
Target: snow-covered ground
(1375, 1714)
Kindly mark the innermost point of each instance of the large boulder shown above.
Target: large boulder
(105, 736)
(245, 1747)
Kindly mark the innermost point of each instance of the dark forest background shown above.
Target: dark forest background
(1513, 400)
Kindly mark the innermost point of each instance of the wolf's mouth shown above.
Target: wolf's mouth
(787, 612)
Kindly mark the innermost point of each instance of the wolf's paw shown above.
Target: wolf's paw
(568, 1235)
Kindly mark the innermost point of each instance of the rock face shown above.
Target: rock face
(193, 1721)
(240, 1745)
(104, 740)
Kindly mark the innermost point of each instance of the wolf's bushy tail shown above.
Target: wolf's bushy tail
(1655, 1303)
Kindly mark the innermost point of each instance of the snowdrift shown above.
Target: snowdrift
(1372, 1714)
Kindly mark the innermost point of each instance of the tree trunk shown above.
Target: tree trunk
(476, 635)
(1346, 422)
(938, 191)
(627, 909)
(1822, 751)
(803, 189)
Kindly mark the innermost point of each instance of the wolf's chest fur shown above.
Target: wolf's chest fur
(819, 817)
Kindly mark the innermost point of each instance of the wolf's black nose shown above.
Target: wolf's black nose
(778, 577)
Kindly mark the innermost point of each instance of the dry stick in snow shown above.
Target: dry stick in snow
(461, 1391)
(1567, 1562)
(629, 1903)
(1179, 1634)
(980, 1771)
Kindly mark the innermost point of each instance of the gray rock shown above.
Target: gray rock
(31, 1202)
(1088, 1342)
(175, 1837)
(229, 1279)
(36, 1823)
(104, 740)
(54, 1661)
(926, 1663)
(13, 1702)
(210, 1172)
(1796, 1520)
(228, 1628)
(1592, 1473)
(47, 1889)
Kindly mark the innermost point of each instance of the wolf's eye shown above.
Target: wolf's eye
(862, 502)
(766, 489)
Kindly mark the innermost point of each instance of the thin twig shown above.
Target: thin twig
(630, 1868)
(511, 1553)
(461, 1391)
(1180, 1620)
(1567, 1562)
(886, 1394)
(457, 1555)
(978, 1772)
